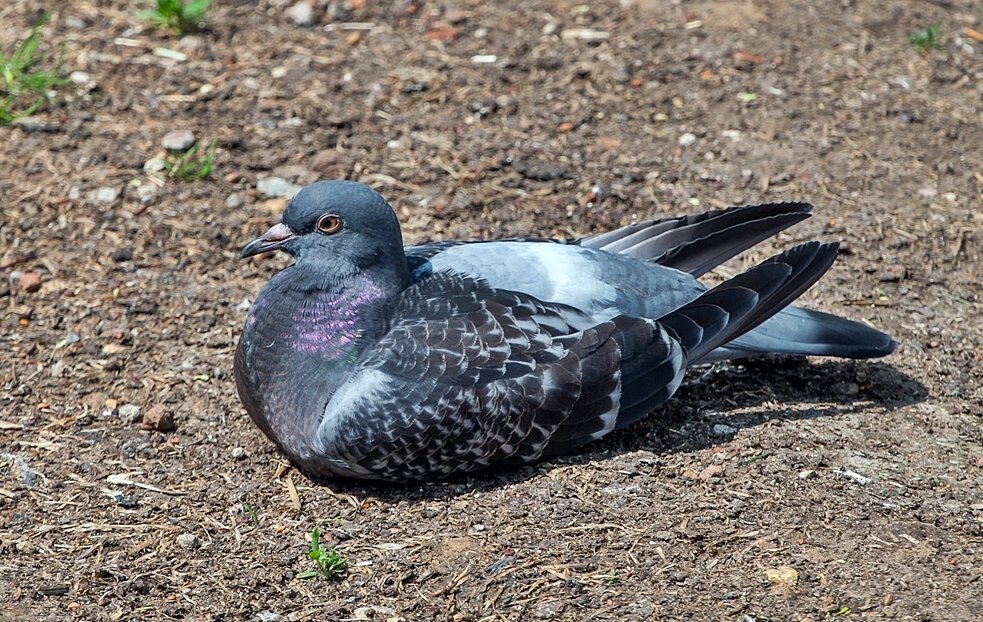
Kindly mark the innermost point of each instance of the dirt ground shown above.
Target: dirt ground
(772, 491)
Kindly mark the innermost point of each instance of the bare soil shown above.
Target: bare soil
(779, 490)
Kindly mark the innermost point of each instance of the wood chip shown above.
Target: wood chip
(124, 480)
(292, 490)
(975, 35)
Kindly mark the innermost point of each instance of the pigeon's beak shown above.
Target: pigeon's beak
(276, 237)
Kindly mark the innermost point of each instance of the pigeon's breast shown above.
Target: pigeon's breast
(298, 346)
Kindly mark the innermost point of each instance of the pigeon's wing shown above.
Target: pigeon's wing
(695, 243)
(470, 376)
(645, 270)
(698, 243)
(603, 285)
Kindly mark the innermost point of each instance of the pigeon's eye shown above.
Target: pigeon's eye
(329, 223)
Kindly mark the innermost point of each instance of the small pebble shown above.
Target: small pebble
(57, 369)
(189, 42)
(146, 193)
(105, 194)
(80, 77)
(291, 123)
(721, 429)
(30, 282)
(178, 140)
(277, 187)
(126, 501)
(234, 201)
(130, 413)
(301, 13)
(153, 165)
(187, 541)
(157, 418)
(121, 254)
(687, 139)
(238, 453)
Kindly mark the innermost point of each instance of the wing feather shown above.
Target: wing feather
(468, 376)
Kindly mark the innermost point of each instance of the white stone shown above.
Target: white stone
(722, 429)
(106, 194)
(233, 201)
(301, 13)
(178, 140)
(276, 187)
(153, 165)
(130, 413)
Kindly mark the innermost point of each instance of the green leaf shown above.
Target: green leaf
(195, 9)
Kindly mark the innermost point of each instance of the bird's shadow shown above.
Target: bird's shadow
(713, 404)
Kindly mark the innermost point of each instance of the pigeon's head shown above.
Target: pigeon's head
(335, 221)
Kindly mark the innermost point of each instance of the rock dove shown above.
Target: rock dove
(368, 360)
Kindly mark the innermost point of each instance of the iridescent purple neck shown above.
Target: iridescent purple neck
(327, 323)
(305, 319)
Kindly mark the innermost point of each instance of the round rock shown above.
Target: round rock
(301, 13)
(277, 187)
(233, 201)
(687, 139)
(178, 140)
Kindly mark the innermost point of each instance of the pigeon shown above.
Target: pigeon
(369, 360)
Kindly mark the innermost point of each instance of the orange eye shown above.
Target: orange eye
(329, 223)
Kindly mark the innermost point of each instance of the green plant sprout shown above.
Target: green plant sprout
(181, 16)
(188, 166)
(328, 564)
(23, 91)
(250, 511)
(926, 39)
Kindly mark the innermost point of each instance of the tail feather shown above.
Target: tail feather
(742, 303)
(698, 243)
(802, 332)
